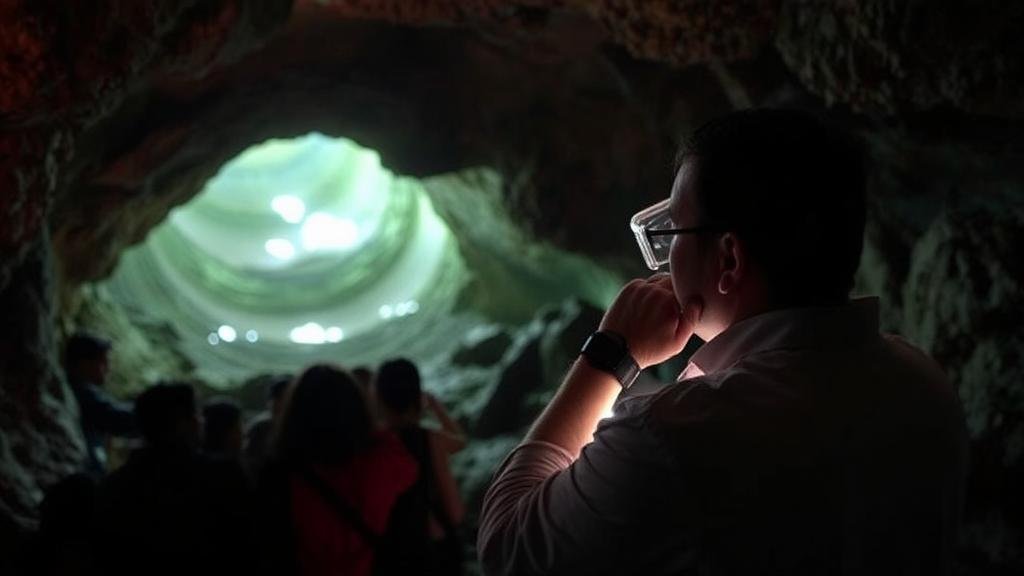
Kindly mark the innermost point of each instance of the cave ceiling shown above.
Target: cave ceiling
(116, 111)
(534, 129)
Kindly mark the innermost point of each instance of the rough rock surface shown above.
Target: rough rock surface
(64, 67)
(894, 56)
(39, 442)
(114, 111)
(965, 304)
(532, 368)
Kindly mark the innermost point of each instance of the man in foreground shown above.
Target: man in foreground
(798, 440)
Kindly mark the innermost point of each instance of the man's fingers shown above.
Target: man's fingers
(662, 280)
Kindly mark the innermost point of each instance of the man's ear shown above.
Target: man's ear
(732, 262)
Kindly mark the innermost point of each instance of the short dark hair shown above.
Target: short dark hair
(161, 407)
(792, 187)
(220, 415)
(325, 419)
(83, 346)
(398, 385)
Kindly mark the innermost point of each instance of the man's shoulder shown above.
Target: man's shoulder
(915, 380)
(706, 389)
(691, 399)
(722, 403)
(912, 356)
(90, 397)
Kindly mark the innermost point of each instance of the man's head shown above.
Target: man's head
(398, 389)
(167, 417)
(222, 428)
(782, 195)
(86, 358)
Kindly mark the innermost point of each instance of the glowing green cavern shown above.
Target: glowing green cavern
(308, 249)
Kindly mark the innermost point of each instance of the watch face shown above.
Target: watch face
(603, 351)
(608, 352)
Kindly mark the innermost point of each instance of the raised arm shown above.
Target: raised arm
(107, 414)
(450, 438)
(561, 504)
(647, 316)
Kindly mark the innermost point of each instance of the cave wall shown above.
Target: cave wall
(64, 68)
(115, 111)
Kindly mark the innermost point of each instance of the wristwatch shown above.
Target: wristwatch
(607, 351)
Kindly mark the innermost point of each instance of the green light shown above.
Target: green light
(308, 250)
(295, 244)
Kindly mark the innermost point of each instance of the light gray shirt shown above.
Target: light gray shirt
(798, 441)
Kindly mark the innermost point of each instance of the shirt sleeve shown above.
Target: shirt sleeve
(106, 414)
(608, 511)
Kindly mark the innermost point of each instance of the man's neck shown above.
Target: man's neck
(725, 313)
(746, 308)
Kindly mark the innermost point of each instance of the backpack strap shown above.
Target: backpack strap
(342, 509)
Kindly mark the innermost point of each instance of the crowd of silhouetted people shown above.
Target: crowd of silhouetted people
(339, 475)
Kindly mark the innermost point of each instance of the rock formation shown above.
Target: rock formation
(114, 111)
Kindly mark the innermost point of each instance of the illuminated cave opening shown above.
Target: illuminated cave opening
(298, 250)
(308, 249)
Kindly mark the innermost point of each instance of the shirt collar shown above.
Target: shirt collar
(816, 327)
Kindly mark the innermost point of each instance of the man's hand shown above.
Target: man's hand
(647, 315)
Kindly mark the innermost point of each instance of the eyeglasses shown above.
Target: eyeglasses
(654, 232)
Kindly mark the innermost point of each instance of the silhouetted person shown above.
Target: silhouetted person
(169, 509)
(336, 476)
(798, 440)
(86, 364)
(364, 377)
(257, 437)
(67, 520)
(433, 506)
(222, 429)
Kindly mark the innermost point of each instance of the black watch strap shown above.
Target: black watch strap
(608, 352)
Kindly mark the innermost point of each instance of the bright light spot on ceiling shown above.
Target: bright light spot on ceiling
(405, 308)
(287, 232)
(323, 231)
(227, 333)
(279, 248)
(313, 333)
(291, 208)
(388, 311)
